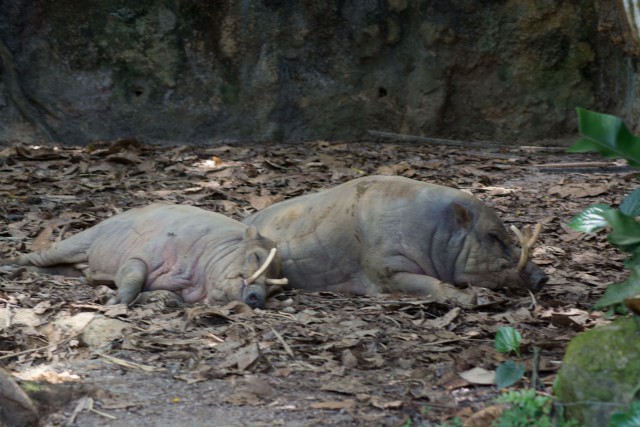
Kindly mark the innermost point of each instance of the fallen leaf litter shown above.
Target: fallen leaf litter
(314, 359)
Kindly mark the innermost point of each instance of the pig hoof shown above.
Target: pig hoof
(254, 296)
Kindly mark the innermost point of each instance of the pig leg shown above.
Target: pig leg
(70, 251)
(130, 281)
(419, 284)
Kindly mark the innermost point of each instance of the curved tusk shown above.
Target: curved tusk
(264, 266)
(536, 233)
(279, 282)
(524, 255)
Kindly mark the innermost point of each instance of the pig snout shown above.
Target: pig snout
(254, 296)
(534, 277)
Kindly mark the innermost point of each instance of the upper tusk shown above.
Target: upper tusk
(263, 267)
(524, 255)
(534, 236)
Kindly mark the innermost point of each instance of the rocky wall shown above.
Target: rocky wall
(201, 71)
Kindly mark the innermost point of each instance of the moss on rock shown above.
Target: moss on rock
(601, 371)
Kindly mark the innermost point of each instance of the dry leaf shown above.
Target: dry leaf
(386, 404)
(578, 190)
(242, 358)
(485, 417)
(479, 375)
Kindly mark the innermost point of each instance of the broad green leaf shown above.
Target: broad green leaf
(508, 339)
(625, 230)
(633, 260)
(615, 294)
(628, 418)
(631, 204)
(591, 219)
(606, 135)
(509, 373)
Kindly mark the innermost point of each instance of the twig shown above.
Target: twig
(129, 365)
(452, 341)
(569, 165)
(33, 350)
(541, 149)
(86, 403)
(284, 343)
(535, 366)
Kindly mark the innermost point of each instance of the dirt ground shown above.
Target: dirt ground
(308, 359)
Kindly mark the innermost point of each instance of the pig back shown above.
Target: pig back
(316, 235)
(357, 234)
(158, 234)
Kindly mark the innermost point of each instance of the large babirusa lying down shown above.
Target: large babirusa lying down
(392, 234)
(199, 255)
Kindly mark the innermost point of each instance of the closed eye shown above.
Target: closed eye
(496, 238)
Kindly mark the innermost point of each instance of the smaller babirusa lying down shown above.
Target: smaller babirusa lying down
(392, 234)
(198, 255)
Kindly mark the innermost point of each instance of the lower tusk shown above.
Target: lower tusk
(263, 267)
(278, 282)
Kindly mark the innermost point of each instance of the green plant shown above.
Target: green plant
(628, 418)
(609, 136)
(527, 409)
(453, 422)
(509, 372)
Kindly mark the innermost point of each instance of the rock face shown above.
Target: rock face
(600, 372)
(276, 69)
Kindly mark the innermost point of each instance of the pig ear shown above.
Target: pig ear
(461, 215)
(251, 233)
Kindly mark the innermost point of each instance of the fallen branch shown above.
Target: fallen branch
(439, 141)
(570, 165)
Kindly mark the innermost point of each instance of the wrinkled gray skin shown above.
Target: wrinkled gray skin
(392, 234)
(199, 255)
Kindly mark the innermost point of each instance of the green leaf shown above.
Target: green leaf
(591, 219)
(508, 339)
(606, 135)
(628, 418)
(509, 373)
(625, 231)
(615, 294)
(631, 204)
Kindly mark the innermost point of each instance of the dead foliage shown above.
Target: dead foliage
(309, 359)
